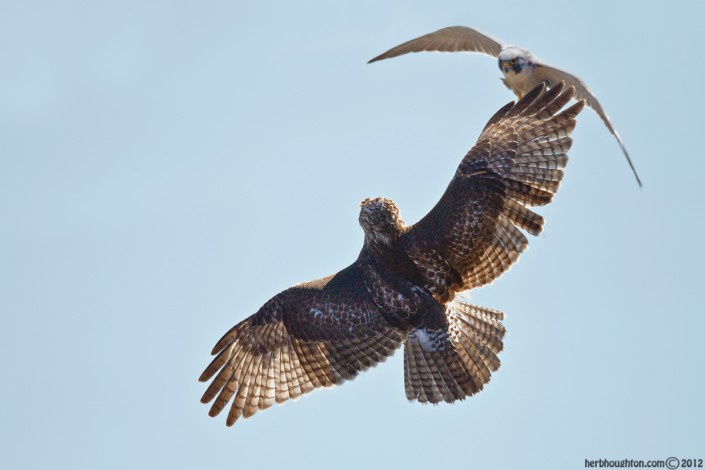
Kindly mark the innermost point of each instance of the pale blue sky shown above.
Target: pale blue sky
(167, 167)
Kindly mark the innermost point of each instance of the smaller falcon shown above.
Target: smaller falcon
(522, 71)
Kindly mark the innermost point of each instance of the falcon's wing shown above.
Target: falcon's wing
(317, 334)
(553, 75)
(471, 236)
(452, 39)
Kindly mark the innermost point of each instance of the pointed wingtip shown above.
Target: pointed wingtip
(629, 159)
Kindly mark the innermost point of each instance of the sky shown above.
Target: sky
(167, 167)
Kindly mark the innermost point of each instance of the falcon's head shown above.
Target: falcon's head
(514, 60)
(381, 221)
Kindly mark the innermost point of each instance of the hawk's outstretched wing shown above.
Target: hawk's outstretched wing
(472, 234)
(451, 39)
(313, 335)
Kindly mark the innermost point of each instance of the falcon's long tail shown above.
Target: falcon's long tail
(455, 357)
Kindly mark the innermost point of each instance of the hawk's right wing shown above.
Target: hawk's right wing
(472, 234)
(451, 39)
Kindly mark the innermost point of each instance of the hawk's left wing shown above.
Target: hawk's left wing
(472, 234)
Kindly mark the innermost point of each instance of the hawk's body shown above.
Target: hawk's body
(400, 289)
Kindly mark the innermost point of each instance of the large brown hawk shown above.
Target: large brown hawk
(400, 289)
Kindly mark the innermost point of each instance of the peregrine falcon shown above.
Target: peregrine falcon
(522, 71)
(401, 288)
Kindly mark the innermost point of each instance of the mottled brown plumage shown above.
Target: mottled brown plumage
(401, 288)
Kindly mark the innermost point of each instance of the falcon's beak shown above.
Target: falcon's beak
(504, 66)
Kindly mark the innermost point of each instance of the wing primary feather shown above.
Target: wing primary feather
(216, 364)
(526, 102)
(543, 103)
(249, 406)
(498, 116)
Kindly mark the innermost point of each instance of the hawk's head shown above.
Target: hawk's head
(381, 221)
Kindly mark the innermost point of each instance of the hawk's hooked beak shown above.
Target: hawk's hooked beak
(504, 66)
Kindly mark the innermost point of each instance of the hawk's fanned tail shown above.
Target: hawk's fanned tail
(453, 359)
